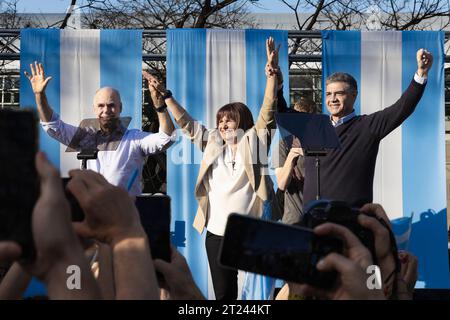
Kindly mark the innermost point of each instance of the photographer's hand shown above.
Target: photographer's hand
(110, 214)
(383, 245)
(352, 278)
(178, 278)
(56, 243)
(407, 277)
(9, 251)
(111, 217)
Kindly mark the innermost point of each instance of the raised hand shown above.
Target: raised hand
(153, 82)
(424, 62)
(37, 78)
(154, 93)
(272, 53)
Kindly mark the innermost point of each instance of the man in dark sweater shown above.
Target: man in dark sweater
(347, 174)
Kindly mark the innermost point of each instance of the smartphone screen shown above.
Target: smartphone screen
(19, 187)
(278, 250)
(154, 211)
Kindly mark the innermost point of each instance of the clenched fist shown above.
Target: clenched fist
(424, 62)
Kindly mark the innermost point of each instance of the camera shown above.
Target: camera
(339, 212)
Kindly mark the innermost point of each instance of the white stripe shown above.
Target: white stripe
(80, 78)
(225, 83)
(225, 70)
(381, 86)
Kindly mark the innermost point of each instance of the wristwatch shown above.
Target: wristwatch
(161, 108)
(167, 95)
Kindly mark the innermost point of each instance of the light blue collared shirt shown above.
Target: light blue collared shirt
(343, 119)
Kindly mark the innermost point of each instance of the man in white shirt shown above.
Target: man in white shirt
(116, 166)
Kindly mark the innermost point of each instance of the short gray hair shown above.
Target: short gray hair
(343, 77)
(113, 90)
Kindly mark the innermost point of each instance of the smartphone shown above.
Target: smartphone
(154, 211)
(75, 209)
(19, 187)
(278, 250)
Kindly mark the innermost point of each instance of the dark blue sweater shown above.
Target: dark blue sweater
(347, 174)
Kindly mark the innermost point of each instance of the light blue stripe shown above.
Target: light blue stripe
(256, 58)
(186, 71)
(423, 148)
(41, 45)
(257, 286)
(120, 68)
(341, 52)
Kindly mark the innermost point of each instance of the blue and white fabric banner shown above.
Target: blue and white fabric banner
(207, 69)
(410, 170)
(80, 62)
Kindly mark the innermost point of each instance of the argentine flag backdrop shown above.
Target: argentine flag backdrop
(207, 69)
(80, 62)
(410, 171)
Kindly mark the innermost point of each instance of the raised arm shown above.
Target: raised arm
(165, 122)
(266, 118)
(38, 84)
(196, 132)
(385, 121)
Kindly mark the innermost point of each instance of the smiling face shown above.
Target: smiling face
(107, 107)
(227, 128)
(340, 98)
(233, 120)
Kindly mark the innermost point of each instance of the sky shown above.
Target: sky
(60, 6)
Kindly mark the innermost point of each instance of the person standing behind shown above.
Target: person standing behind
(289, 167)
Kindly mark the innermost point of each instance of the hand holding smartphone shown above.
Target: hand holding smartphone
(278, 250)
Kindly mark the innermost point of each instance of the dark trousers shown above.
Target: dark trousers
(224, 280)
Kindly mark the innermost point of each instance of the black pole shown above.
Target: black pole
(318, 176)
(86, 154)
(84, 164)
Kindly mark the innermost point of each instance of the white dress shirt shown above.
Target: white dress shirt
(116, 166)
